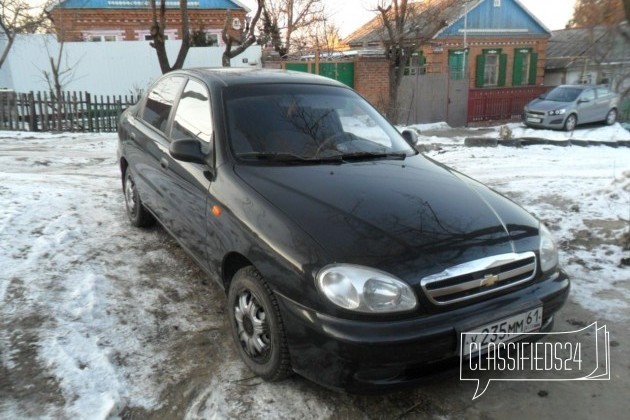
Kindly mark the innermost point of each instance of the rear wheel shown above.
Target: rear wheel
(570, 123)
(611, 117)
(138, 214)
(256, 325)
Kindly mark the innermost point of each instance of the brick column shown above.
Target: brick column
(371, 79)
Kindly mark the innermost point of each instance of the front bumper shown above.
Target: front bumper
(543, 120)
(370, 356)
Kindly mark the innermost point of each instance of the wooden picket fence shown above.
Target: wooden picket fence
(70, 111)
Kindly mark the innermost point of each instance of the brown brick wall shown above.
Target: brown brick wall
(371, 79)
(437, 62)
(71, 23)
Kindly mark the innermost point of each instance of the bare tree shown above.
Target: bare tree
(61, 71)
(246, 35)
(321, 37)
(17, 16)
(289, 17)
(157, 33)
(406, 26)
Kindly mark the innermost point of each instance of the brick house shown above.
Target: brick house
(498, 46)
(130, 20)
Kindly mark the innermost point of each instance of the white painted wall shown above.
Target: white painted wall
(102, 68)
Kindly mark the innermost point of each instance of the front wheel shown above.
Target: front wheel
(256, 325)
(138, 214)
(611, 117)
(570, 123)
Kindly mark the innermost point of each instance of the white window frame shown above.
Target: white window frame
(491, 71)
(497, 3)
(102, 35)
(169, 34)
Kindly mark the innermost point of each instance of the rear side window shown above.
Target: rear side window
(602, 91)
(160, 102)
(192, 117)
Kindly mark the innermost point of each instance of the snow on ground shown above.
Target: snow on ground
(582, 194)
(97, 318)
(89, 305)
(442, 133)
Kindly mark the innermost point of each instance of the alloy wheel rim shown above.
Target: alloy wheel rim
(612, 115)
(252, 326)
(571, 122)
(130, 195)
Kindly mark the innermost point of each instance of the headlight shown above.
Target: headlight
(548, 250)
(557, 112)
(364, 289)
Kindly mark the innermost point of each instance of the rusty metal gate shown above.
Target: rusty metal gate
(426, 98)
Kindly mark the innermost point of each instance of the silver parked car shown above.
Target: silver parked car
(566, 106)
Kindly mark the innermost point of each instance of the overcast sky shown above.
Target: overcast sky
(350, 14)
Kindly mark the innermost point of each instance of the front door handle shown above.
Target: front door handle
(164, 163)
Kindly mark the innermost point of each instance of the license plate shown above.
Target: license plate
(534, 120)
(501, 331)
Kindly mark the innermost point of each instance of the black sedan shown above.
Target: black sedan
(346, 255)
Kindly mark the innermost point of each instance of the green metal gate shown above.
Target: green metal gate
(342, 71)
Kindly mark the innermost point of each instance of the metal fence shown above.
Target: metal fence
(70, 111)
(501, 103)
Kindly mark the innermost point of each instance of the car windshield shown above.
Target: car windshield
(563, 94)
(306, 124)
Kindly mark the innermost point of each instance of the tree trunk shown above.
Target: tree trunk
(248, 36)
(5, 53)
(157, 33)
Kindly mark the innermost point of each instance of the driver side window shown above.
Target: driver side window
(193, 118)
(588, 95)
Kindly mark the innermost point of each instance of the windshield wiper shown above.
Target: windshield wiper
(373, 155)
(287, 157)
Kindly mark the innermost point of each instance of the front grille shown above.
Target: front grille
(479, 278)
(536, 113)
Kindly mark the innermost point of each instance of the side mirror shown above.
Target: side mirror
(543, 96)
(583, 100)
(411, 137)
(188, 150)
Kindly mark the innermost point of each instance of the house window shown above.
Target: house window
(497, 3)
(525, 67)
(146, 35)
(201, 38)
(490, 70)
(457, 64)
(103, 36)
(415, 64)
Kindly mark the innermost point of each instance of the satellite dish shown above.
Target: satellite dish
(236, 24)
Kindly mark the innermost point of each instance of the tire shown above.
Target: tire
(570, 122)
(137, 213)
(257, 327)
(611, 117)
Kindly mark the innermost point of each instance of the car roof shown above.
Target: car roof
(228, 76)
(580, 87)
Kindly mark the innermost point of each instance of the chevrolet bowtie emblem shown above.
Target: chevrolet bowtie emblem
(489, 280)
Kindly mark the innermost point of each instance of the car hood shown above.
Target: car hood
(410, 218)
(543, 105)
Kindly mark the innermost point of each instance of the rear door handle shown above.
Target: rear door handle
(164, 163)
